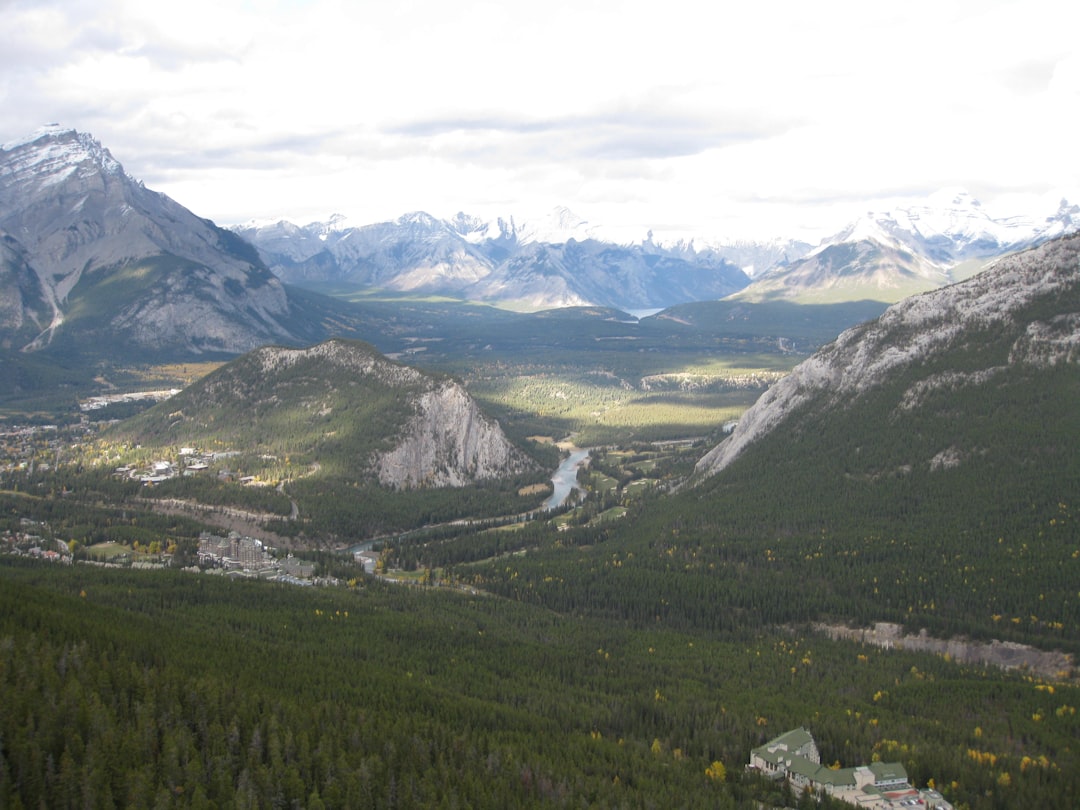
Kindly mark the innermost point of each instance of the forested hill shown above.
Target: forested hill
(1017, 321)
(339, 408)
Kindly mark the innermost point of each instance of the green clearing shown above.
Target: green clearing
(107, 551)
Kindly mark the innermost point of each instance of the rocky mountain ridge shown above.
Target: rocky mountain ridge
(563, 260)
(1028, 300)
(115, 261)
(557, 262)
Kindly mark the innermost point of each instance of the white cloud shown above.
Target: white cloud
(765, 118)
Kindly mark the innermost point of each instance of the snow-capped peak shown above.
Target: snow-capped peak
(870, 228)
(57, 151)
(951, 225)
(39, 133)
(559, 226)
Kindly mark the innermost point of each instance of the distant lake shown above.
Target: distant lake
(565, 479)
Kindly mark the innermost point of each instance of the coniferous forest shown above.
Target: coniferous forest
(169, 689)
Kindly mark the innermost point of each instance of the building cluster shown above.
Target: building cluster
(793, 758)
(190, 462)
(26, 542)
(103, 401)
(246, 556)
(35, 447)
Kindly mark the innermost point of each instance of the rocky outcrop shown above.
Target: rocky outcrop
(24, 310)
(1054, 665)
(449, 442)
(1029, 298)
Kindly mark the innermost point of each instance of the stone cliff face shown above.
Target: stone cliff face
(1029, 298)
(174, 279)
(449, 442)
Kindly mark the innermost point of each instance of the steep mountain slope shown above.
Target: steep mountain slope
(24, 309)
(889, 256)
(556, 262)
(118, 264)
(1017, 319)
(342, 408)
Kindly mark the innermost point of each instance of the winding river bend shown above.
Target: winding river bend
(564, 480)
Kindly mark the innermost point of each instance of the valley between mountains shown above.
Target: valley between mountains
(817, 478)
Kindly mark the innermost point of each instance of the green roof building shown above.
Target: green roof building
(794, 757)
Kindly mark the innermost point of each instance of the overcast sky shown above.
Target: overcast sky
(752, 119)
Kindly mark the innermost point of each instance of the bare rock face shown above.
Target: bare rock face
(1006, 299)
(24, 311)
(449, 442)
(174, 279)
(446, 442)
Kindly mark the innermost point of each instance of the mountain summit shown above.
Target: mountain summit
(114, 262)
(344, 409)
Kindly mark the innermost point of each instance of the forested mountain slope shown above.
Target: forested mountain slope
(923, 469)
(1020, 318)
(343, 408)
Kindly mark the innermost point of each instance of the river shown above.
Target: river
(564, 480)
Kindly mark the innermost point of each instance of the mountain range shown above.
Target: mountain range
(563, 260)
(557, 262)
(91, 258)
(890, 255)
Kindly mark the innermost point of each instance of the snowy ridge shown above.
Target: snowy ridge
(556, 261)
(54, 153)
(910, 249)
(917, 328)
(951, 226)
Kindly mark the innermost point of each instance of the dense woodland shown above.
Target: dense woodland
(173, 690)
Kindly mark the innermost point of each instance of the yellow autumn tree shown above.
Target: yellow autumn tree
(716, 772)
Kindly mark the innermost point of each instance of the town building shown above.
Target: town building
(793, 757)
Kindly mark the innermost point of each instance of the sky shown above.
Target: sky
(722, 120)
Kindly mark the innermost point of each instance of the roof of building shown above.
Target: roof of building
(786, 742)
(888, 771)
